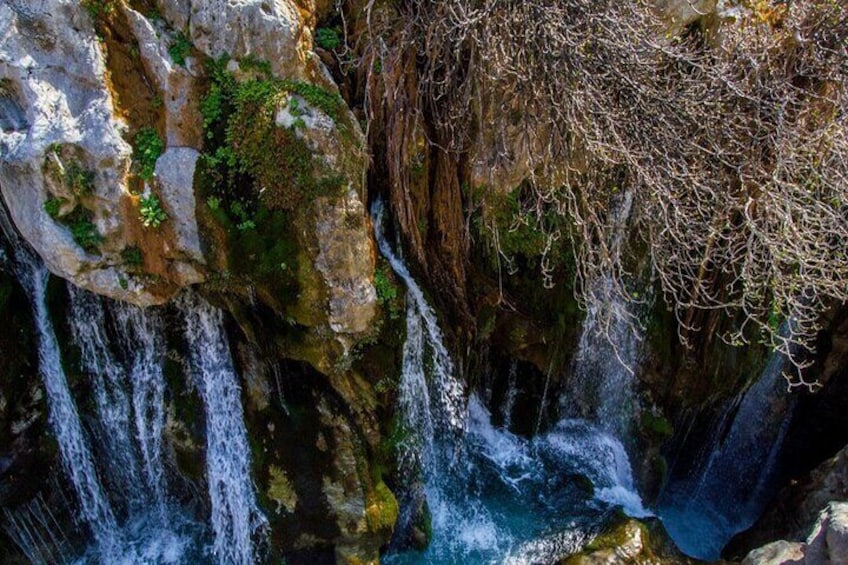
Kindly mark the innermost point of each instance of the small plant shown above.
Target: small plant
(327, 38)
(132, 256)
(84, 231)
(240, 212)
(148, 148)
(151, 213)
(213, 202)
(52, 206)
(98, 8)
(180, 48)
(386, 290)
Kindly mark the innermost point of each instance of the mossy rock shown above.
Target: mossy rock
(382, 509)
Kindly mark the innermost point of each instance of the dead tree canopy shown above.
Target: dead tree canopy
(730, 138)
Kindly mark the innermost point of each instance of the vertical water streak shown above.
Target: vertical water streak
(88, 326)
(235, 514)
(601, 387)
(143, 344)
(447, 394)
(511, 395)
(77, 460)
(730, 490)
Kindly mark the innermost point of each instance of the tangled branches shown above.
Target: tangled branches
(731, 141)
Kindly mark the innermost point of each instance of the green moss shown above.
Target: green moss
(132, 256)
(656, 426)
(382, 510)
(52, 206)
(83, 229)
(147, 147)
(280, 490)
(327, 38)
(98, 9)
(246, 149)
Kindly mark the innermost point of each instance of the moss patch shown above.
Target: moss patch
(280, 490)
(382, 509)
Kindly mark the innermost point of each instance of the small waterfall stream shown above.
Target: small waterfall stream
(94, 506)
(728, 492)
(144, 348)
(493, 496)
(110, 384)
(236, 518)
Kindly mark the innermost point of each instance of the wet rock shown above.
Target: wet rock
(827, 543)
(797, 507)
(777, 553)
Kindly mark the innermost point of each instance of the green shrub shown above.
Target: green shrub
(151, 213)
(327, 38)
(147, 149)
(180, 48)
(98, 8)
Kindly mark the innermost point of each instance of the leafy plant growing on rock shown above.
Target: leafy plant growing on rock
(83, 230)
(150, 212)
(52, 206)
(148, 147)
(180, 48)
(78, 179)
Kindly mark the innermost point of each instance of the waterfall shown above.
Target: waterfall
(94, 506)
(447, 403)
(601, 388)
(87, 320)
(235, 515)
(143, 346)
(727, 493)
(491, 494)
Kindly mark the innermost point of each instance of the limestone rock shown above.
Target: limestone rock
(346, 260)
(827, 543)
(60, 119)
(267, 30)
(776, 553)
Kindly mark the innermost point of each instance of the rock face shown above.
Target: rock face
(826, 544)
(100, 111)
(64, 144)
(267, 30)
(797, 506)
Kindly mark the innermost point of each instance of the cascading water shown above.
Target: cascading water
(77, 459)
(727, 493)
(88, 325)
(601, 387)
(236, 518)
(493, 496)
(144, 347)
